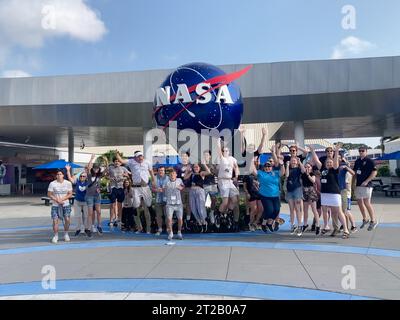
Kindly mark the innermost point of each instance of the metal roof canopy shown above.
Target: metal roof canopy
(335, 98)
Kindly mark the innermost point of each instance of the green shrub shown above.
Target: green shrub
(384, 171)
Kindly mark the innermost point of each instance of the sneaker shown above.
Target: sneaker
(258, 227)
(205, 227)
(341, 228)
(251, 228)
(179, 235)
(313, 227)
(305, 228)
(88, 233)
(317, 230)
(299, 231)
(115, 224)
(334, 232)
(138, 231)
(270, 228)
(293, 229)
(372, 225)
(77, 232)
(55, 239)
(100, 230)
(353, 230)
(364, 223)
(158, 232)
(264, 228)
(66, 238)
(170, 236)
(94, 229)
(276, 226)
(110, 224)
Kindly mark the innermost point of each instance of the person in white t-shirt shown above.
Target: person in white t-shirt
(60, 191)
(141, 172)
(227, 189)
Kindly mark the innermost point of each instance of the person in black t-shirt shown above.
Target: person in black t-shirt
(210, 183)
(329, 153)
(365, 170)
(197, 196)
(330, 192)
(294, 195)
(251, 187)
(310, 196)
(294, 153)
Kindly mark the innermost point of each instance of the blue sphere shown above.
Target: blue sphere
(197, 116)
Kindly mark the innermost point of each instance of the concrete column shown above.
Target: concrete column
(70, 145)
(299, 132)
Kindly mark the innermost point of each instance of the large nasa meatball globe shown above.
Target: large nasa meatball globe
(199, 96)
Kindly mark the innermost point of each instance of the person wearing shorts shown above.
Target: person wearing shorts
(182, 169)
(310, 197)
(251, 188)
(161, 180)
(93, 198)
(227, 189)
(294, 194)
(117, 174)
(60, 191)
(80, 205)
(141, 171)
(174, 205)
(345, 180)
(365, 170)
(330, 192)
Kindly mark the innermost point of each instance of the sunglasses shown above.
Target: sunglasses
(293, 150)
(361, 150)
(83, 176)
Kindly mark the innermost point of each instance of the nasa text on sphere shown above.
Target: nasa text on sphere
(199, 96)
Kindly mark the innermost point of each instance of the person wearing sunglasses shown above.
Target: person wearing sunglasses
(269, 192)
(294, 153)
(80, 206)
(365, 170)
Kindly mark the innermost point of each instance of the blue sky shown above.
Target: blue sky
(154, 34)
(124, 35)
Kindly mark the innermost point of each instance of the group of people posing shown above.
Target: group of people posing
(320, 184)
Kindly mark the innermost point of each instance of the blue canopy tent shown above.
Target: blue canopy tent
(56, 164)
(390, 156)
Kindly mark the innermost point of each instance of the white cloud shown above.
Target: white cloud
(15, 74)
(28, 24)
(351, 46)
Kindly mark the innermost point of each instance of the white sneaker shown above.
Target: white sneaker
(170, 236)
(66, 238)
(94, 229)
(55, 239)
(158, 232)
(179, 235)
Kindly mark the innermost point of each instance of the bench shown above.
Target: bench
(392, 192)
(47, 201)
(377, 185)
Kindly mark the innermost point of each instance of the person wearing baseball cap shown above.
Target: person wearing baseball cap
(142, 171)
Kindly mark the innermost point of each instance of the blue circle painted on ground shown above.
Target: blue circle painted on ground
(196, 116)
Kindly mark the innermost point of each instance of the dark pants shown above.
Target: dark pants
(272, 206)
(128, 217)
